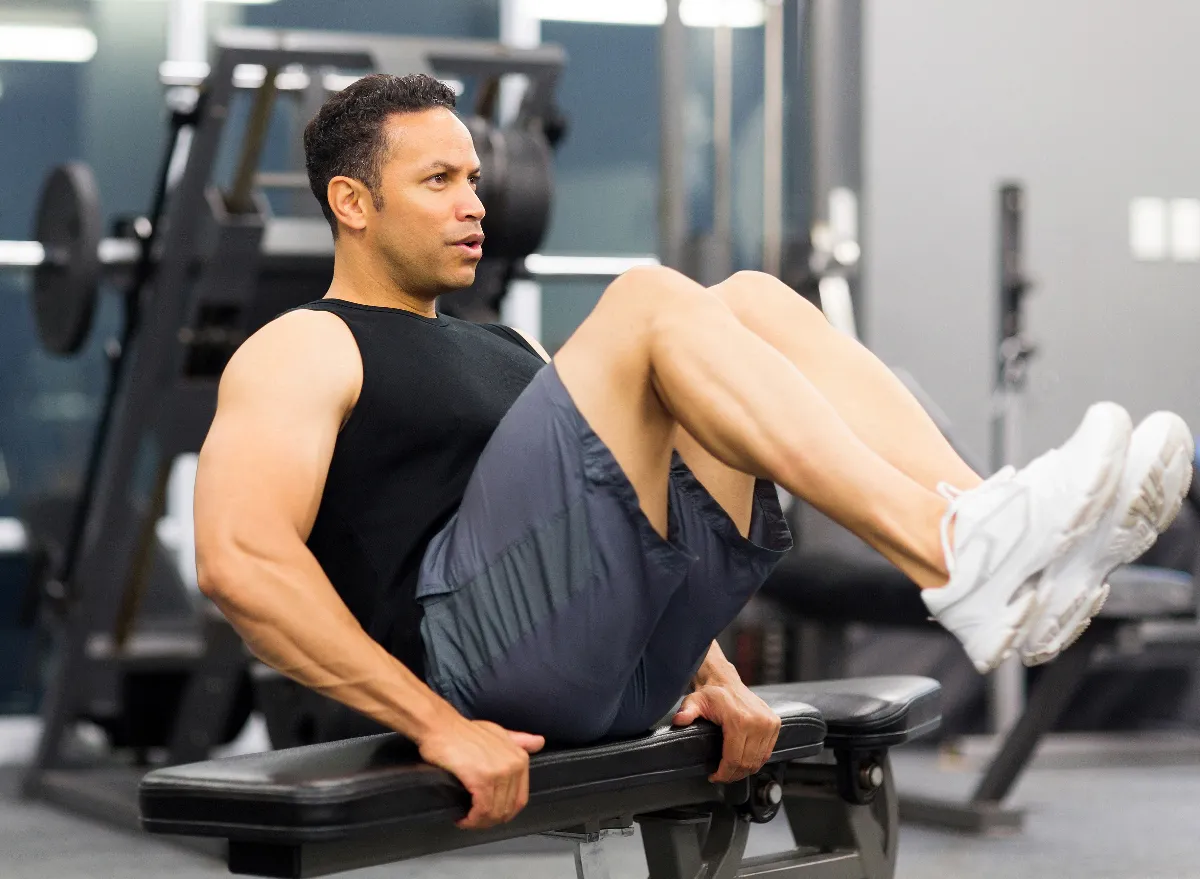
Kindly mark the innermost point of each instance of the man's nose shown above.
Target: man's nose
(472, 208)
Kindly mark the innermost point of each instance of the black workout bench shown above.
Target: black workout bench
(322, 809)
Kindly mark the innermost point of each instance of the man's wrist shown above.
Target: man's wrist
(430, 716)
(715, 671)
(433, 719)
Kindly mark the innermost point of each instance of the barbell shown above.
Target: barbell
(70, 258)
(67, 272)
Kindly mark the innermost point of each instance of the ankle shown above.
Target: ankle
(937, 546)
(914, 542)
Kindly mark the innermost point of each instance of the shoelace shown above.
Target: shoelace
(954, 495)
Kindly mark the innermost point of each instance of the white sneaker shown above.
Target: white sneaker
(1007, 530)
(1158, 473)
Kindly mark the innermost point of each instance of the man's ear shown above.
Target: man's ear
(349, 200)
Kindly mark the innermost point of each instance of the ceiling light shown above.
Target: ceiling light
(694, 13)
(235, 2)
(715, 13)
(43, 42)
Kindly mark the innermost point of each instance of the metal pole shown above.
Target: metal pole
(773, 145)
(827, 143)
(672, 206)
(835, 47)
(187, 32)
(1006, 686)
(720, 262)
(521, 306)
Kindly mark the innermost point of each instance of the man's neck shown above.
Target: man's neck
(356, 279)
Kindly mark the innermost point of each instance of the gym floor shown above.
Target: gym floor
(1094, 823)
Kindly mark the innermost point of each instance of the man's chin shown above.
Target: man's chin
(459, 279)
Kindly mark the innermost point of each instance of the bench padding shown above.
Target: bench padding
(865, 713)
(329, 790)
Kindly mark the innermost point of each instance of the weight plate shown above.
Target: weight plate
(516, 188)
(65, 284)
(528, 185)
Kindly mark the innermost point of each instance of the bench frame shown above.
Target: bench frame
(841, 806)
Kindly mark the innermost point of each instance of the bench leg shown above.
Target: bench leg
(823, 819)
(590, 859)
(685, 844)
(590, 862)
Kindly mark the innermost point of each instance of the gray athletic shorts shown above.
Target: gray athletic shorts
(551, 604)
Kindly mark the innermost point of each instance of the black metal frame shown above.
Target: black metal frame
(207, 250)
(984, 811)
(691, 829)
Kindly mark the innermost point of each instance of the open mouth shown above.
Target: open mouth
(472, 245)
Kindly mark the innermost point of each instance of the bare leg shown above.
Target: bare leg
(869, 398)
(659, 351)
(865, 393)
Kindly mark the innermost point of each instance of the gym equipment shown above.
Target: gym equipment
(68, 227)
(140, 654)
(1014, 350)
(323, 809)
(70, 258)
(820, 593)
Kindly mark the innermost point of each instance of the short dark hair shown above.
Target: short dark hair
(348, 137)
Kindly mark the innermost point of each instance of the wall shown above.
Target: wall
(607, 169)
(1088, 103)
(445, 18)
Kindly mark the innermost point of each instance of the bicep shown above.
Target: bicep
(263, 465)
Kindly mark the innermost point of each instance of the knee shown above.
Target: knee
(656, 295)
(755, 297)
(651, 286)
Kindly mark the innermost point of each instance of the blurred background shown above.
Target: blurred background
(999, 198)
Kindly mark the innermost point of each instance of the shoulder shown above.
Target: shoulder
(305, 350)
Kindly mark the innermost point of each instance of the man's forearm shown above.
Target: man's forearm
(715, 669)
(292, 619)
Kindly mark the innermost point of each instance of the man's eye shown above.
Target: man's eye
(475, 182)
(438, 178)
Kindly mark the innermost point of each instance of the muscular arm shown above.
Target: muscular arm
(283, 399)
(262, 470)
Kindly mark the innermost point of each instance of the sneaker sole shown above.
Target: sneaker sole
(1096, 499)
(1100, 495)
(1012, 637)
(1080, 626)
(1164, 489)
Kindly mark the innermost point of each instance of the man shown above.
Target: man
(420, 519)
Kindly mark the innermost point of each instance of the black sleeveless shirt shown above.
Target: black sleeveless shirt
(433, 391)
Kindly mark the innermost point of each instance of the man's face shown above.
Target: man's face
(428, 229)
